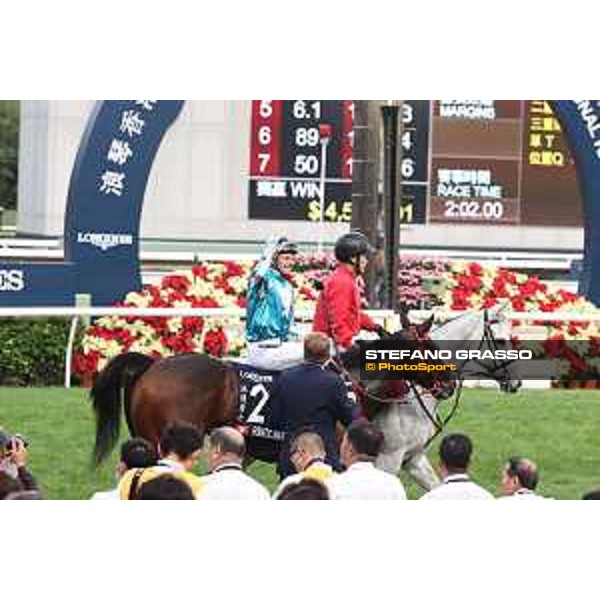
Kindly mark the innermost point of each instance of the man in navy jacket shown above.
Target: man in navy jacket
(310, 396)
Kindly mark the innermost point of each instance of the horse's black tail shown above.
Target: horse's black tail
(120, 373)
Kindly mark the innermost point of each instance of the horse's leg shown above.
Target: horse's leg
(390, 461)
(392, 453)
(422, 472)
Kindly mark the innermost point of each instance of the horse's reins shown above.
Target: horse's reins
(438, 423)
(496, 366)
(488, 336)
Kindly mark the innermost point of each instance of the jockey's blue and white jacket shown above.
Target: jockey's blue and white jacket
(269, 304)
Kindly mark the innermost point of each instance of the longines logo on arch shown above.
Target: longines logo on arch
(12, 280)
(104, 241)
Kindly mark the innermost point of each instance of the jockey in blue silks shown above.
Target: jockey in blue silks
(270, 309)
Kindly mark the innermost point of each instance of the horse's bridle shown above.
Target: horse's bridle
(487, 371)
(498, 370)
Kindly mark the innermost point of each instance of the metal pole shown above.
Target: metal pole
(69, 351)
(389, 115)
(365, 175)
(324, 141)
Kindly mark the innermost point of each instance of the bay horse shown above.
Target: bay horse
(195, 388)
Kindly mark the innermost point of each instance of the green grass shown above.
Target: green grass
(558, 429)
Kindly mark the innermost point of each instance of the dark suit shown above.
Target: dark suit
(310, 396)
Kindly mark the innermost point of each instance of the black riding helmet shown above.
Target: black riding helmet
(351, 245)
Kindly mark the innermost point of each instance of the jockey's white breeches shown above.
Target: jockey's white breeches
(275, 355)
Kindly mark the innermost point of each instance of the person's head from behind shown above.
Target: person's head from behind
(136, 453)
(165, 487)
(362, 442)
(305, 447)
(182, 443)
(455, 453)
(317, 348)
(226, 446)
(8, 485)
(519, 473)
(307, 489)
(594, 495)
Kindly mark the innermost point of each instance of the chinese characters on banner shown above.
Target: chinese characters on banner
(120, 151)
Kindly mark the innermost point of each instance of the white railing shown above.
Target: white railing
(52, 249)
(75, 313)
(111, 311)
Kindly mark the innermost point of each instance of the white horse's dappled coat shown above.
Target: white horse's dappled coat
(406, 426)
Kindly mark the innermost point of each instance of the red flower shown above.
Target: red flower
(499, 287)
(179, 283)
(475, 269)
(489, 302)
(594, 349)
(233, 269)
(554, 347)
(578, 364)
(459, 299)
(518, 304)
(193, 324)
(200, 271)
(567, 296)
(84, 364)
(469, 282)
(215, 342)
(205, 303)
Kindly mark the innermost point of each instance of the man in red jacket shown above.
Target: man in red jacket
(338, 313)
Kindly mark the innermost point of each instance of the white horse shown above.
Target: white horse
(408, 425)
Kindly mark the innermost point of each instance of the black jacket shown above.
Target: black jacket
(310, 396)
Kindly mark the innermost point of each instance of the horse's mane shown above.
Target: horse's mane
(457, 327)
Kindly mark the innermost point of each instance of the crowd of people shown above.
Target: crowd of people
(143, 473)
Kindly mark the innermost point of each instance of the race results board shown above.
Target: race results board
(501, 162)
(285, 160)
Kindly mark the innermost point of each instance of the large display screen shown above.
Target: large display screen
(287, 178)
(500, 162)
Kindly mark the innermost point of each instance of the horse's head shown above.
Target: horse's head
(498, 335)
(491, 330)
(443, 383)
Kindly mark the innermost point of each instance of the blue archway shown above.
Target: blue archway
(104, 207)
(580, 120)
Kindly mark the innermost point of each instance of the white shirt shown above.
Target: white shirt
(318, 470)
(457, 487)
(362, 481)
(523, 494)
(109, 495)
(229, 482)
(169, 465)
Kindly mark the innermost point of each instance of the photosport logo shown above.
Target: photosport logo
(419, 359)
